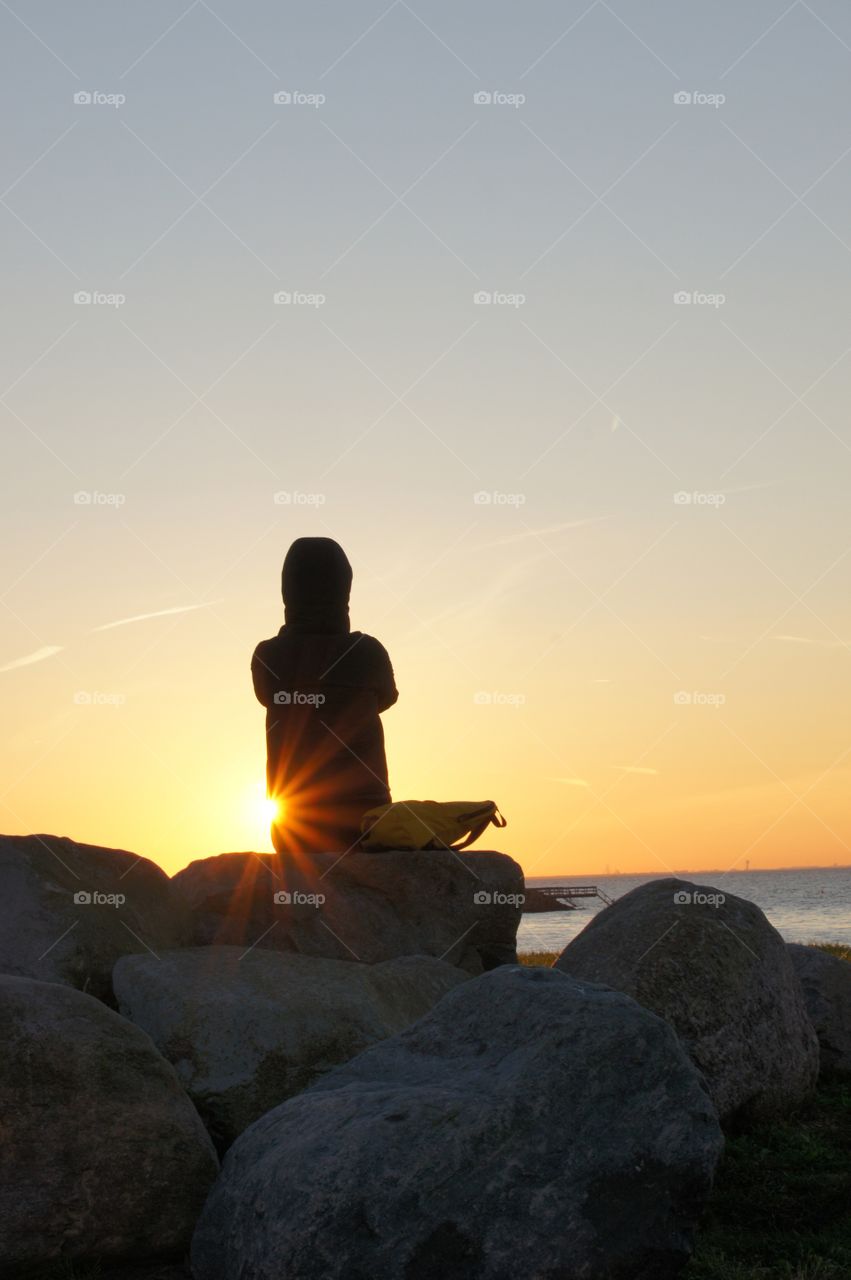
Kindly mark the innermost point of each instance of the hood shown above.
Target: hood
(315, 583)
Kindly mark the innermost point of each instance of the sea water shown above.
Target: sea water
(804, 906)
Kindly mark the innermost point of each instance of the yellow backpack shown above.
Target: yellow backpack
(427, 824)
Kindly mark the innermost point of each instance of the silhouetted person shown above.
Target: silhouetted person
(323, 687)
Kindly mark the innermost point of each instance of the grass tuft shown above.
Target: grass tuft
(547, 958)
(841, 950)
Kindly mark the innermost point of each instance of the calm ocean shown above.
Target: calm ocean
(804, 906)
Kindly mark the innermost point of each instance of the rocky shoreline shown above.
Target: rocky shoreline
(369, 1085)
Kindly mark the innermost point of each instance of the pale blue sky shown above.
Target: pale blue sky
(397, 199)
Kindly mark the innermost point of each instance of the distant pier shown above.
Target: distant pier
(558, 897)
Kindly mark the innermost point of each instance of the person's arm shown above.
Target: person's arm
(260, 676)
(385, 683)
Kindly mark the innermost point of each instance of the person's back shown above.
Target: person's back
(324, 688)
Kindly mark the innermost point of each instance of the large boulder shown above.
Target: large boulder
(102, 1154)
(712, 966)
(246, 1031)
(530, 1125)
(68, 911)
(826, 983)
(460, 907)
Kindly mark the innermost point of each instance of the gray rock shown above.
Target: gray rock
(712, 965)
(46, 934)
(460, 907)
(246, 1031)
(103, 1155)
(826, 983)
(530, 1125)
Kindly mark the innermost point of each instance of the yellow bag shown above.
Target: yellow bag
(428, 824)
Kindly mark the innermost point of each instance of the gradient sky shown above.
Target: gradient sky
(662, 684)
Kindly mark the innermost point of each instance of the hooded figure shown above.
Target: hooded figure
(323, 687)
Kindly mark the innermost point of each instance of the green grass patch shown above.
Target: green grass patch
(781, 1207)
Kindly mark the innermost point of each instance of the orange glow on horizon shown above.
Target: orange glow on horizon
(600, 767)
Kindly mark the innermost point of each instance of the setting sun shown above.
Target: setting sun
(258, 811)
(268, 810)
